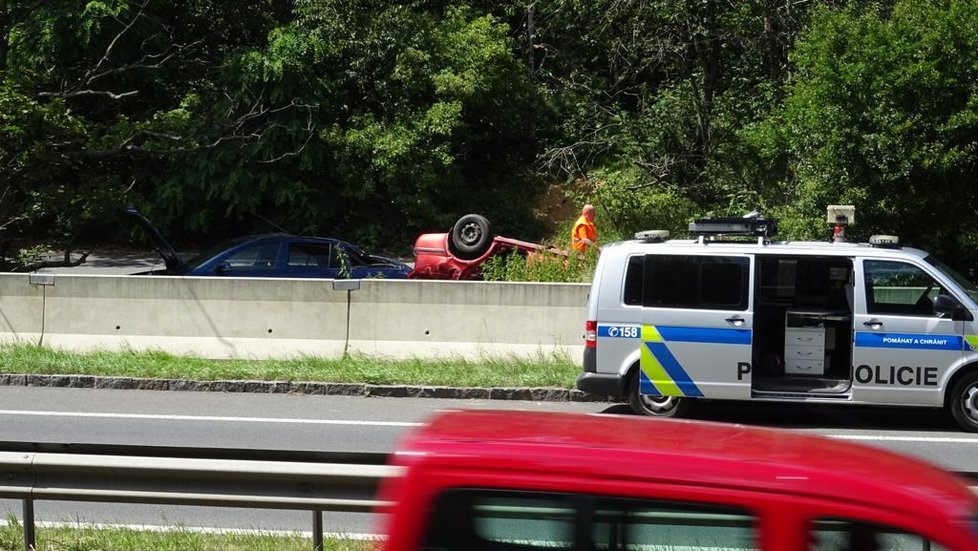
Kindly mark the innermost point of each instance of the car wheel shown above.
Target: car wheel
(654, 406)
(470, 237)
(963, 402)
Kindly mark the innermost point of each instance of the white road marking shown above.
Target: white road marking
(354, 422)
(212, 418)
(883, 438)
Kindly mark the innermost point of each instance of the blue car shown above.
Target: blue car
(274, 255)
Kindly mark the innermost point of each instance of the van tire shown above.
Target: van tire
(654, 406)
(963, 402)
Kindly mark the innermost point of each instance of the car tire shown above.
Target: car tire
(654, 406)
(963, 402)
(470, 237)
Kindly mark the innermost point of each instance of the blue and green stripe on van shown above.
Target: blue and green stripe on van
(661, 372)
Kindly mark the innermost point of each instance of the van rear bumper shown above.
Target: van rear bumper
(605, 384)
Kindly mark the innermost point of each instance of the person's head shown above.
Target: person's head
(588, 212)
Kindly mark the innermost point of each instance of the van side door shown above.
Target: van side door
(901, 347)
(696, 325)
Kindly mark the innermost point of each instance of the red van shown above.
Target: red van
(519, 481)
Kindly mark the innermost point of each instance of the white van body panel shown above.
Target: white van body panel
(894, 358)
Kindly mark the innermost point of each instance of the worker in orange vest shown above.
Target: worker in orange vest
(584, 234)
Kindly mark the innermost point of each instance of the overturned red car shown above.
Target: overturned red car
(459, 254)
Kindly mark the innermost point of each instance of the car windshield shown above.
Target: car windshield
(208, 254)
(964, 282)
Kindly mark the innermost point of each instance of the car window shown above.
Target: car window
(964, 282)
(696, 282)
(899, 288)
(490, 520)
(634, 274)
(839, 534)
(254, 256)
(355, 257)
(308, 255)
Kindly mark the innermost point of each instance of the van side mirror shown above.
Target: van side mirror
(948, 306)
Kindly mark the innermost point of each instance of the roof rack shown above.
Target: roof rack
(750, 226)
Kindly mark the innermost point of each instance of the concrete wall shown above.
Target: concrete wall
(21, 309)
(206, 317)
(468, 319)
(281, 318)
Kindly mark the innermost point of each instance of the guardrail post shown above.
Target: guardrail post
(317, 531)
(29, 540)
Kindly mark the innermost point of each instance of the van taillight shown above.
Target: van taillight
(590, 334)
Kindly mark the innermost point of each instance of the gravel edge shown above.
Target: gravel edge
(536, 394)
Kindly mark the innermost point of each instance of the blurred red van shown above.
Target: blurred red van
(519, 481)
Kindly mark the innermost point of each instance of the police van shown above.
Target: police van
(733, 315)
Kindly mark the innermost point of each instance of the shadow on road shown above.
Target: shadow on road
(810, 416)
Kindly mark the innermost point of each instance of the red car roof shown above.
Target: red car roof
(693, 453)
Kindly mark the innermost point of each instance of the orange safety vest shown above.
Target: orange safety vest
(582, 229)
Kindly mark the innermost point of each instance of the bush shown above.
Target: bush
(542, 266)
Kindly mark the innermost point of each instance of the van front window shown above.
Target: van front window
(962, 281)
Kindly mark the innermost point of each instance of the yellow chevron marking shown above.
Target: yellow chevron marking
(655, 372)
(651, 334)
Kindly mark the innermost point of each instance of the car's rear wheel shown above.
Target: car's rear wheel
(470, 237)
(654, 406)
(963, 402)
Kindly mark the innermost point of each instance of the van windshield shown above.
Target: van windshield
(964, 282)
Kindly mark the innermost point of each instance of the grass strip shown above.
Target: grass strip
(556, 371)
(82, 538)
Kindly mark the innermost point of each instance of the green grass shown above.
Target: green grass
(554, 371)
(84, 538)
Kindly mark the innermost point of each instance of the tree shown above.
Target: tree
(658, 90)
(94, 99)
(883, 113)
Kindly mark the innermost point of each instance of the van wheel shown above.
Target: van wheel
(655, 406)
(964, 402)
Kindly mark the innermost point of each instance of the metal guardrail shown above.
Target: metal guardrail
(249, 478)
(260, 479)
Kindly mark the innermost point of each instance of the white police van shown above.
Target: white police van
(835, 322)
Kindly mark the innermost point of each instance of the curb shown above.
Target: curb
(536, 394)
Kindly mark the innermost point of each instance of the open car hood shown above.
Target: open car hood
(162, 246)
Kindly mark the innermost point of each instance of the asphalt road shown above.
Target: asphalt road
(342, 423)
(110, 263)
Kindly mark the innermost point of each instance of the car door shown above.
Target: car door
(901, 347)
(696, 325)
(312, 259)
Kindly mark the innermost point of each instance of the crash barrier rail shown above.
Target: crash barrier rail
(257, 479)
(283, 318)
(210, 477)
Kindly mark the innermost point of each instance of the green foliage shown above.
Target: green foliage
(628, 202)
(546, 370)
(540, 266)
(376, 121)
(80, 537)
(882, 114)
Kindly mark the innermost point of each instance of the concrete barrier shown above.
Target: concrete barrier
(403, 319)
(283, 318)
(198, 316)
(21, 309)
